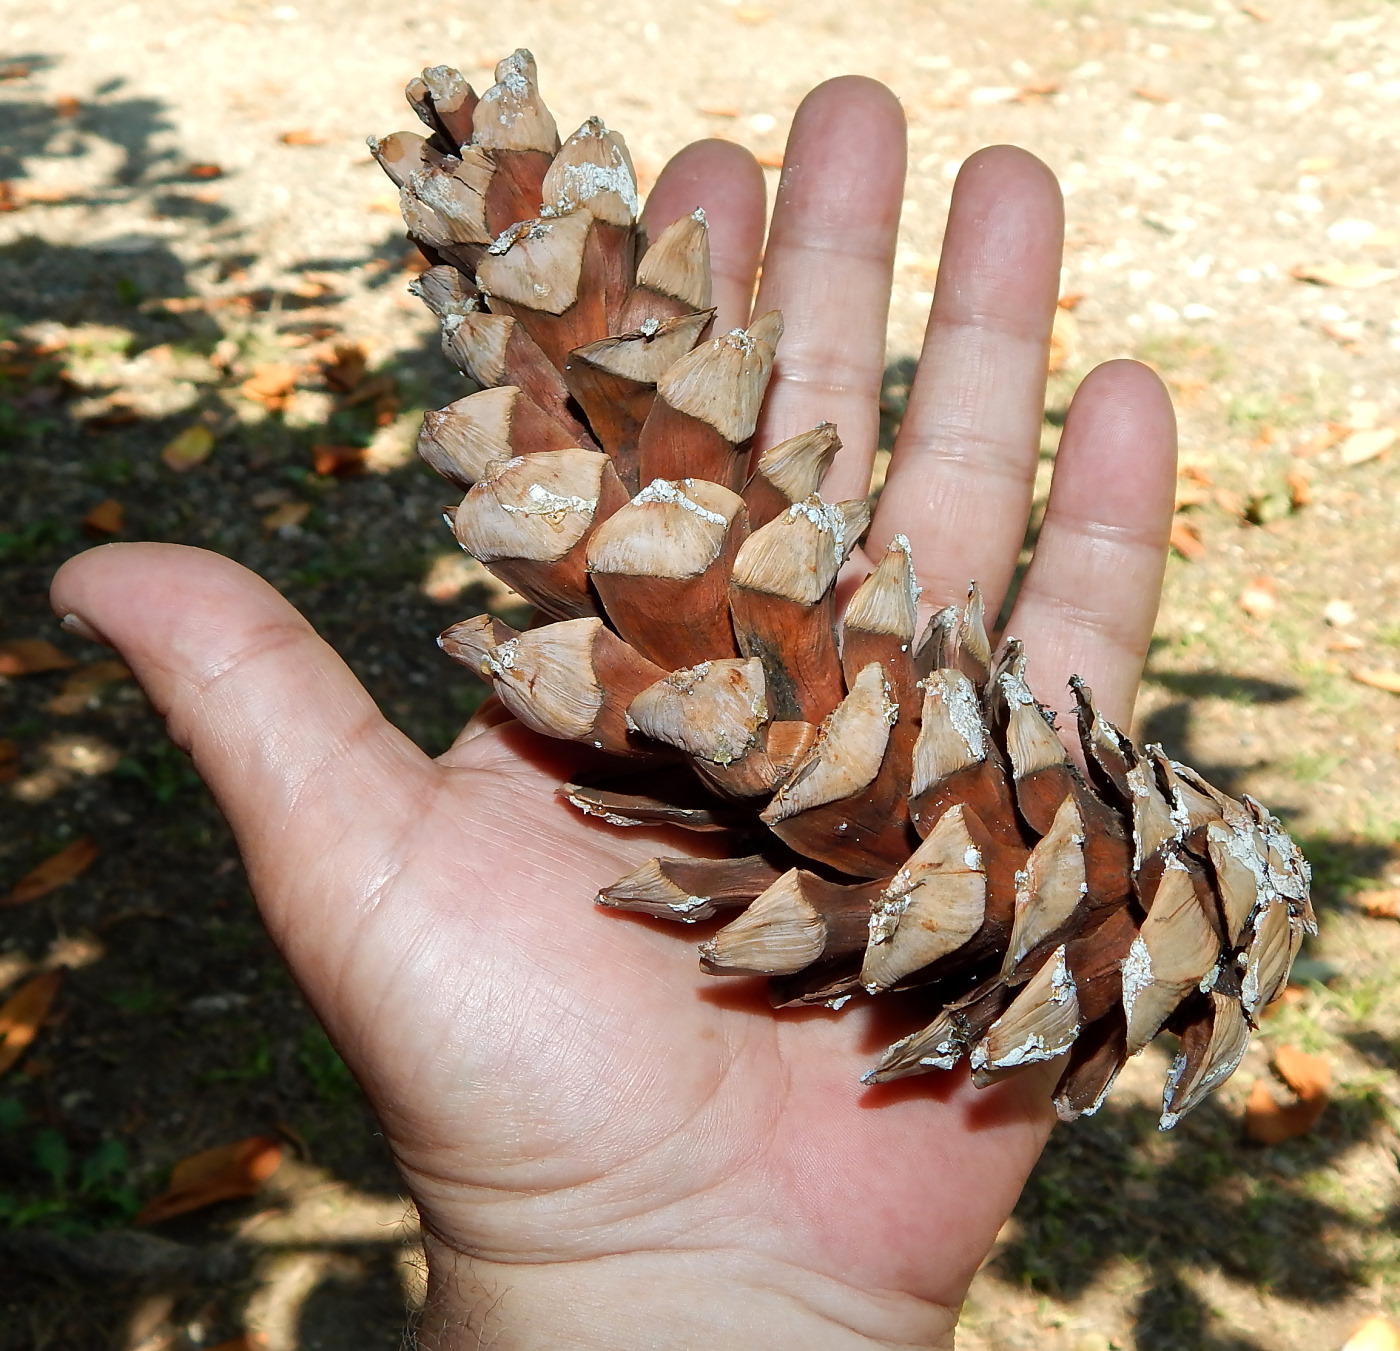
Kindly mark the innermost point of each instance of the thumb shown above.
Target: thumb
(296, 752)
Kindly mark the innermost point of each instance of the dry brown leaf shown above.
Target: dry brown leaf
(32, 656)
(1348, 276)
(286, 516)
(1064, 338)
(339, 460)
(1378, 678)
(245, 1341)
(79, 688)
(191, 447)
(1037, 89)
(1300, 490)
(1380, 904)
(55, 871)
(1229, 502)
(67, 106)
(1309, 1076)
(204, 171)
(23, 1014)
(1152, 95)
(1366, 445)
(770, 159)
(1186, 539)
(346, 367)
(1260, 598)
(270, 384)
(1374, 1334)
(301, 136)
(106, 518)
(224, 1173)
(1320, 441)
(1267, 1122)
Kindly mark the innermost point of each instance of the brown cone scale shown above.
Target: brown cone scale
(893, 810)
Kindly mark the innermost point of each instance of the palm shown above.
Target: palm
(559, 1082)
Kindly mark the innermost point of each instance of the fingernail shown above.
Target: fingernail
(76, 624)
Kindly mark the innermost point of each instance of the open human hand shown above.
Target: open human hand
(607, 1148)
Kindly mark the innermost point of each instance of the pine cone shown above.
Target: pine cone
(900, 813)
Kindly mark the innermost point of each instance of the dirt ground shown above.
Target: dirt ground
(193, 242)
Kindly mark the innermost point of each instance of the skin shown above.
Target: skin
(608, 1148)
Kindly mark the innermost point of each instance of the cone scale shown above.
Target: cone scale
(899, 810)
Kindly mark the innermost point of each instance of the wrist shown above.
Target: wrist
(719, 1299)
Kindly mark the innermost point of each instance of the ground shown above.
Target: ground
(203, 323)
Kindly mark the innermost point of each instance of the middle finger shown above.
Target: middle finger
(964, 464)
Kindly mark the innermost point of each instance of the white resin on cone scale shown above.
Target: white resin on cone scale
(899, 811)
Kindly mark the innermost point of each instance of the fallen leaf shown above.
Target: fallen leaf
(1267, 1122)
(10, 197)
(245, 1341)
(1191, 495)
(23, 1013)
(80, 687)
(224, 1173)
(1346, 642)
(106, 518)
(1366, 445)
(339, 460)
(1309, 1076)
(1037, 89)
(14, 70)
(301, 136)
(346, 367)
(1186, 539)
(1378, 678)
(191, 447)
(288, 515)
(1064, 338)
(55, 871)
(32, 656)
(1300, 491)
(1348, 276)
(1259, 599)
(270, 384)
(67, 106)
(1380, 904)
(1230, 503)
(1152, 95)
(770, 159)
(204, 171)
(721, 112)
(1314, 445)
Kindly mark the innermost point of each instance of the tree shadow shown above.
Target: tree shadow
(1109, 1188)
